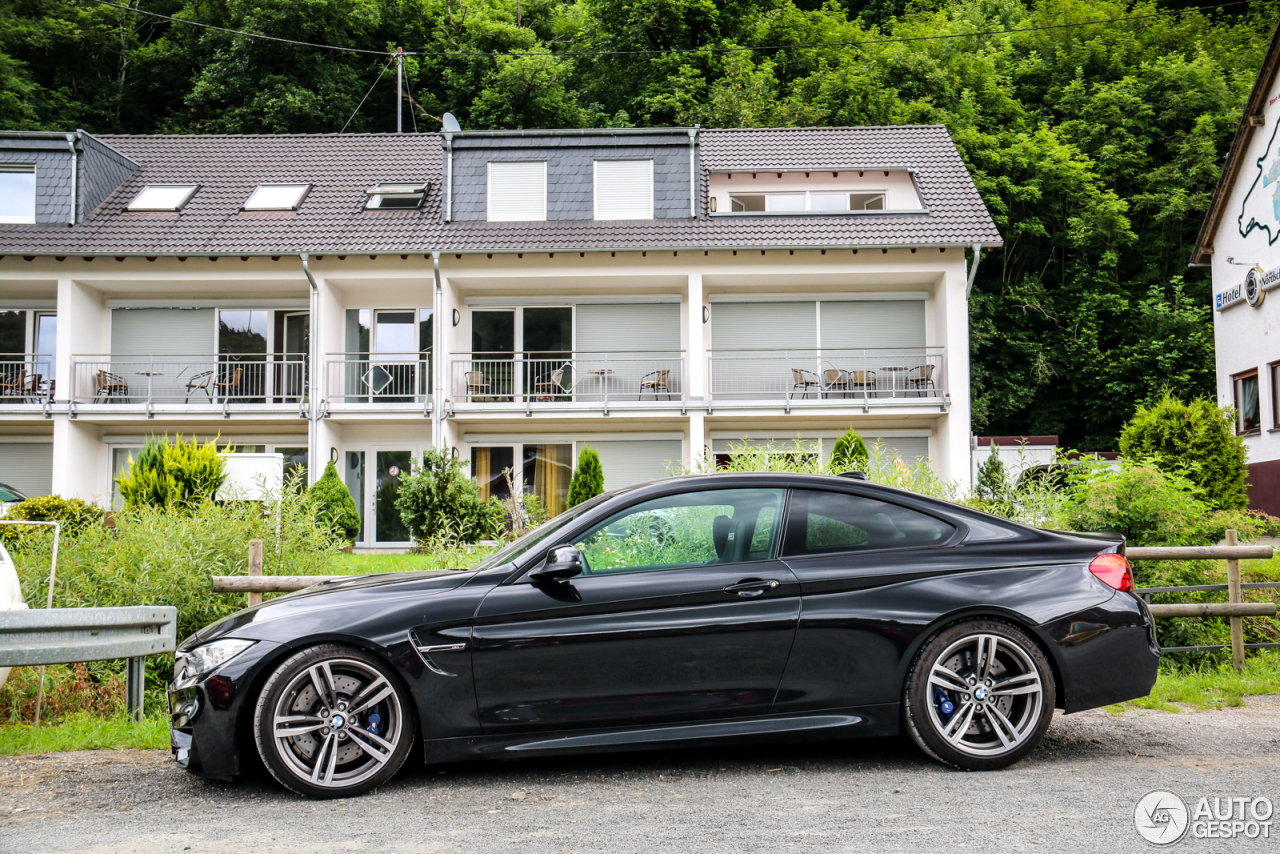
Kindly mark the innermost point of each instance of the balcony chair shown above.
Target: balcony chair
(14, 385)
(200, 382)
(834, 379)
(655, 383)
(804, 380)
(559, 383)
(862, 381)
(921, 378)
(226, 388)
(477, 384)
(110, 385)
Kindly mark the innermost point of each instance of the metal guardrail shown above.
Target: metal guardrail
(377, 378)
(26, 377)
(560, 378)
(213, 379)
(836, 375)
(71, 635)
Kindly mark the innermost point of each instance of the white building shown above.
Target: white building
(1239, 242)
(514, 296)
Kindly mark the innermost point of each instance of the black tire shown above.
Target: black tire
(351, 723)
(975, 711)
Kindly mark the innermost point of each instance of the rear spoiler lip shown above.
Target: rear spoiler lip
(1116, 540)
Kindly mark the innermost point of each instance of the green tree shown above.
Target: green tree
(437, 501)
(588, 477)
(176, 475)
(334, 505)
(1196, 440)
(850, 453)
(993, 481)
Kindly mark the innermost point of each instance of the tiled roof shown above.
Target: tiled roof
(341, 167)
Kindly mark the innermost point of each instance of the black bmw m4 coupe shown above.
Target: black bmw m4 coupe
(690, 611)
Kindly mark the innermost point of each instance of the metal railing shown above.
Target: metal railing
(212, 379)
(873, 373)
(26, 377)
(378, 377)
(567, 377)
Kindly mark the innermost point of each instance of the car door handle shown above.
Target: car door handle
(750, 588)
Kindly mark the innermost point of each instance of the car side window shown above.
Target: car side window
(691, 529)
(821, 522)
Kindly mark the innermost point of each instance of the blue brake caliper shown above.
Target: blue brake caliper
(374, 721)
(943, 704)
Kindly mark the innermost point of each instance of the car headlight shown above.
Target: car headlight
(204, 659)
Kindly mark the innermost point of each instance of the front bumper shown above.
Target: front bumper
(208, 719)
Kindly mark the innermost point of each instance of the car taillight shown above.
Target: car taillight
(1114, 571)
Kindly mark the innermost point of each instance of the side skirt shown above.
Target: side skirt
(857, 722)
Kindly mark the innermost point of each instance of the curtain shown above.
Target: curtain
(480, 470)
(552, 471)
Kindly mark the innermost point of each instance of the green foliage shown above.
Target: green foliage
(993, 483)
(1196, 440)
(1148, 506)
(333, 503)
(74, 515)
(86, 731)
(176, 474)
(438, 502)
(850, 453)
(588, 477)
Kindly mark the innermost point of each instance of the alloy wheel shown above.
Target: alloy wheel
(986, 696)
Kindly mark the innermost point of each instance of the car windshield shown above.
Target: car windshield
(534, 538)
(8, 493)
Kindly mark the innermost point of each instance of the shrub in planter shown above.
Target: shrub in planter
(588, 478)
(334, 504)
(438, 502)
(172, 474)
(1196, 440)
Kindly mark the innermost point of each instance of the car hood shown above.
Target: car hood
(337, 605)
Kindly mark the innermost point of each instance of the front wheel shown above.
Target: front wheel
(979, 696)
(332, 722)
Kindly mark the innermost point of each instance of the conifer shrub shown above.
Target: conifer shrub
(1195, 440)
(588, 477)
(334, 504)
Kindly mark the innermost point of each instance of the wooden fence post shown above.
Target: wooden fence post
(1234, 597)
(255, 568)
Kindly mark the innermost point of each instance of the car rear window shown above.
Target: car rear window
(821, 522)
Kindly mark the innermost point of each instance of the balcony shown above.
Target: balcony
(216, 380)
(357, 380)
(864, 377)
(566, 380)
(26, 378)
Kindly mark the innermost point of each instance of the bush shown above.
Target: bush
(993, 481)
(588, 478)
(74, 515)
(180, 474)
(334, 504)
(439, 503)
(1148, 506)
(850, 453)
(1196, 440)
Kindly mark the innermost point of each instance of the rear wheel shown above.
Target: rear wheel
(332, 722)
(979, 695)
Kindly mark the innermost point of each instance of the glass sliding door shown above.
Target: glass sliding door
(547, 342)
(547, 470)
(493, 347)
(293, 343)
(394, 357)
(242, 356)
(425, 343)
(15, 371)
(489, 466)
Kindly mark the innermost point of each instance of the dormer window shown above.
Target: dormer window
(162, 197)
(277, 197)
(17, 192)
(623, 189)
(517, 191)
(825, 202)
(395, 197)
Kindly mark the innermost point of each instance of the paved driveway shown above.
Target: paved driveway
(1075, 794)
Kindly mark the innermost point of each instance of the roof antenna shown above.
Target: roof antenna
(399, 90)
(450, 124)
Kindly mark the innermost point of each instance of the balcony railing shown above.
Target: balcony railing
(194, 380)
(870, 374)
(378, 378)
(566, 377)
(26, 377)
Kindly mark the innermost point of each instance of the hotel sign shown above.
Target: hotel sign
(1252, 290)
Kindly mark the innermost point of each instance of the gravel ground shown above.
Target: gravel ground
(1075, 794)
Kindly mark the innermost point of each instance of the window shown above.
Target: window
(823, 522)
(17, 193)
(277, 197)
(721, 526)
(1275, 394)
(824, 202)
(518, 191)
(1246, 391)
(544, 473)
(624, 189)
(162, 197)
(395, 197)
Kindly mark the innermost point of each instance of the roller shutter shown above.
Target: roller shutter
(636, 460)
(162, 331)
(624, 189)
(518, 191)
(911, 449)
(886, 323)
(789, 330)
(27, 467)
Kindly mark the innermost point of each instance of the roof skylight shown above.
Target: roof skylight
(385, 197)
(162, 197)
(277, 197)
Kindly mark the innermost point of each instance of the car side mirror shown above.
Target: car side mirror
(563, 562)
